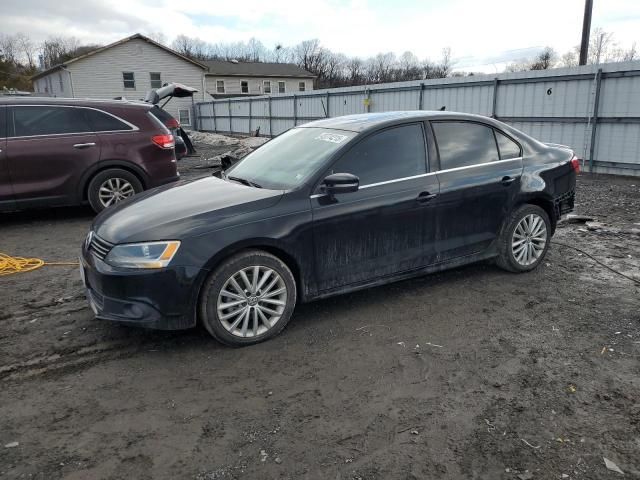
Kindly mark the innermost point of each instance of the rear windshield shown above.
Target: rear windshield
(289, 160)
(161, 115)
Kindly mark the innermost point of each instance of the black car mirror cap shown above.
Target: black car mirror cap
(340, 183)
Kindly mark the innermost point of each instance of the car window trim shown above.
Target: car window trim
(370, 134)
(377, 184)
(11, 123)
(476, 165)
(495, 140)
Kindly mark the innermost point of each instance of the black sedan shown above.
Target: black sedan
(329, 207)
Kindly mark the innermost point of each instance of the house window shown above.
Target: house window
(301, 86)
(184, 116)
(220, 86)
(129, 80)
(281, 88)
(244, 86)
(266, 86)
(156, 81)
(61, 82)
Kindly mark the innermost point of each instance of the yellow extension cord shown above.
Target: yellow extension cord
(10, 265)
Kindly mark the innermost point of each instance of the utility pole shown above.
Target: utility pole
(586, 30)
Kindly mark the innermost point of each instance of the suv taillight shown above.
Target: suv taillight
(164, 141)
(575, 163)
(172, 123)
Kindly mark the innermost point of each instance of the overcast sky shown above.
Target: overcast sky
(480, 33)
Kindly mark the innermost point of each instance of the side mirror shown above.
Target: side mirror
(340, 183)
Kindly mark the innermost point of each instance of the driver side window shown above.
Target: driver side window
(392, 154)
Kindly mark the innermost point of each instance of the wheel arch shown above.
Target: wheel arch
(275, 248)
(546, 203)
(106, 165)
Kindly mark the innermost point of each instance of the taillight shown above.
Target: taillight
(164, 141)
(575, 163)
(172, 123)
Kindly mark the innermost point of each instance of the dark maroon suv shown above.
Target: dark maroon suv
(64, 151)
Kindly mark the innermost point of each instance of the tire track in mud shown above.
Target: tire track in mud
(63, 362)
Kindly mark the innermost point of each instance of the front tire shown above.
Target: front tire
(248, 299)
(524, 239)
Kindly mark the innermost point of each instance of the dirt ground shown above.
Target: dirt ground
(471, 373)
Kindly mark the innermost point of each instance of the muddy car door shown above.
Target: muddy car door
(6, 190)
(478, 186)
(379, 229)
(49, 148)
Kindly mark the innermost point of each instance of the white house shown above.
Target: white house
(233, 79)
(132, 66)
(128, 68)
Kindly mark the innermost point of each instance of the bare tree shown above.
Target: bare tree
(190, 47)
(27, 50)
(446, 63)
(355, 71)
(570, 58)
(158, 37)
(630, 54)
(57, 50)
(601, 46)
(544, 60)
(9, 48)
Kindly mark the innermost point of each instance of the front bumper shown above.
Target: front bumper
(162, 299)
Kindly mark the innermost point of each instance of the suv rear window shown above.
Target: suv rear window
(103, 122)
(161, 115)
(48, 120)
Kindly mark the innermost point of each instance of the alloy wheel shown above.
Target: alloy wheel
(252, 301)
(529, 239)
(114, 190)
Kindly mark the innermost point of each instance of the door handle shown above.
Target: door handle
(84, 145)
(424, 197)
(506, 181)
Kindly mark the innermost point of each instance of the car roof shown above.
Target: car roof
(368, 121)
(79, 102)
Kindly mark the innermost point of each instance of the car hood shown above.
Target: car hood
(181, 210)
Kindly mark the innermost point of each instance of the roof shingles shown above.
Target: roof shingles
(256, 69)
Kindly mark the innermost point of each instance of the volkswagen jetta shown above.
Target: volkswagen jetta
(329, 207)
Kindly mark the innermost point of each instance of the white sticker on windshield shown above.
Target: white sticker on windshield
(332, 137)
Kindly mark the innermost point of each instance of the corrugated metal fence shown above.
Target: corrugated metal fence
(595, 109)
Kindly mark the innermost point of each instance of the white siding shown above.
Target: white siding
(100, 75)
(232, 85)
(56, 84)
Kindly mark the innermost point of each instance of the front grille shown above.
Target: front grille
(99, 247)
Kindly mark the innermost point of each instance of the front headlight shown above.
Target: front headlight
(143, 255)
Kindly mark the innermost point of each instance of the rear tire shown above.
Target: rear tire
(112, 186)
(248, 299)
(524, 239)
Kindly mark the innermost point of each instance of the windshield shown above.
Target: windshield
(290, 159)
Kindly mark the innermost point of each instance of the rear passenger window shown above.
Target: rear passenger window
(103, 122)
(48, 120)
(461, 144)
(389, 155)
(508, 148)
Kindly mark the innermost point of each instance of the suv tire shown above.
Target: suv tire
(112, 186)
